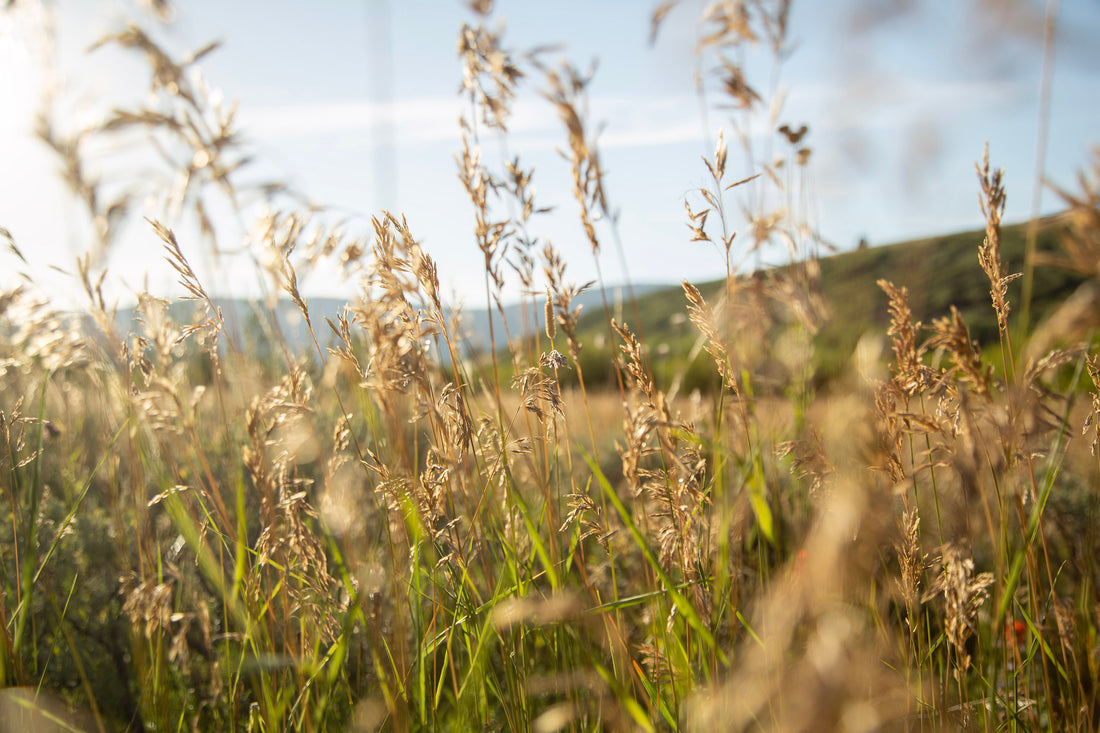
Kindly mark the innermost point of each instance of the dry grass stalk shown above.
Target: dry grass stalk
(912, 563)
(1080, 241)
(1094, 414)
(951, 334)
(989, 254)
(563, 296)
(963, 594)
(567, 94)
(808, 460)
(489, 74)
(548, 317)
(910, 373)
(703, 318)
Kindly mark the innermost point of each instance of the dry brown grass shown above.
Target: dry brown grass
(364, 537)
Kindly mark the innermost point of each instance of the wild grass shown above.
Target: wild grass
(382, 535)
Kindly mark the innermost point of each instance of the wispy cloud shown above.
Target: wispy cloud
(873, 105)
(626, 120)
(421, 119)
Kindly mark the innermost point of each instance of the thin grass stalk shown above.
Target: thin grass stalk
(26, 564)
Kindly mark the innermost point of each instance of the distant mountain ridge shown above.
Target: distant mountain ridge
(248, 319)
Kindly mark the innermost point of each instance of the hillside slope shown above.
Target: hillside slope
(937, 271)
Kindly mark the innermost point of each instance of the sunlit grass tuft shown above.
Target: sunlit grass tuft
(392, 532)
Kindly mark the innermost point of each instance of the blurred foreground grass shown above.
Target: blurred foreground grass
(778, 502)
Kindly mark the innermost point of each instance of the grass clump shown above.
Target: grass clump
(373, 536)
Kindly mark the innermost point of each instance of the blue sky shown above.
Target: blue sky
(355, 104)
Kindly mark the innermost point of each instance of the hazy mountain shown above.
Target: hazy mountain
(248, 321)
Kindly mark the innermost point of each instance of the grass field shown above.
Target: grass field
(776, 501)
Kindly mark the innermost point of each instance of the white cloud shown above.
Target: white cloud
(428, 118)
(631, 121)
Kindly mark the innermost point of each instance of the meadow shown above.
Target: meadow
(738, 507)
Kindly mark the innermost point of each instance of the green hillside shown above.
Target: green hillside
(938, 271)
